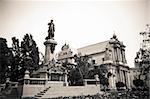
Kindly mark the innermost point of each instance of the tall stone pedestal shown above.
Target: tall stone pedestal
(49, 50)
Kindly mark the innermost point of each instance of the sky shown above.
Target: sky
(77, 22)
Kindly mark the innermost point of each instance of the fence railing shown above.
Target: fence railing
(35, 81)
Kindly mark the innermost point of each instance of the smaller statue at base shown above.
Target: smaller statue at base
(51, 30)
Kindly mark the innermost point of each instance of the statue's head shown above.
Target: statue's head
(51, 20)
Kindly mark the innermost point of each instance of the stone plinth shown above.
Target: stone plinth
(49, 49)
(66, 78)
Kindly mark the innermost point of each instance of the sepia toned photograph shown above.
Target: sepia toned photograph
(74, 49)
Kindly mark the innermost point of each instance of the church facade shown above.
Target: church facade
(109, 53)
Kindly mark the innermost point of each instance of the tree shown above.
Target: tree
(75, 77)
(29, 54)
(104, 75)
(80, 70)
(16, 59)
(138, 83)
(30, 50)
(25, 57)
(83, 65)
(142, 59)
(5, 60)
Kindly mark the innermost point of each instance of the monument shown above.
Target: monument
(50, 43)
(53, 71)
(54, 74)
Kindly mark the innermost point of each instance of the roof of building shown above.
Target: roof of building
(94, 48)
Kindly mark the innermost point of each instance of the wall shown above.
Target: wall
(72, 91)
(31, 90)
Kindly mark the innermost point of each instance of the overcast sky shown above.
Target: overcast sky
(78, 23)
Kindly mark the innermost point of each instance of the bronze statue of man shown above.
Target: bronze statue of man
(51, 30)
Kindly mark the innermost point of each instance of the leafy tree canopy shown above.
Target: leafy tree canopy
(5, 60)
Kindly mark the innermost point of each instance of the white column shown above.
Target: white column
(126, 82)
(120, 75)
(128, 78)
(121, 55)
(117, 58)
(115, 54)
(117, 75)
(66, 82)
(123, 77)
(49, 76)
(124, 58)
(60, 77)
(114, 80)
(118, 53)
(111, 80)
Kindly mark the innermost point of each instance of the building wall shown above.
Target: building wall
(98, 58)
(109, 52)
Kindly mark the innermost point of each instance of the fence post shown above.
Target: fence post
(27, 77)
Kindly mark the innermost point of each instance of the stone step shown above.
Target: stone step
(43, 92)
(38, 96)
(40, 93)
(71, 91)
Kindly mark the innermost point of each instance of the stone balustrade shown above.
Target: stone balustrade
(91, 81)
(35, 81)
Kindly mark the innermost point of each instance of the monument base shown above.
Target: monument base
(49, 50)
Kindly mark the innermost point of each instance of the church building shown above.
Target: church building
(110, 53)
